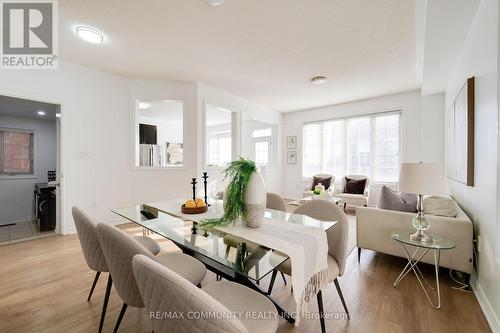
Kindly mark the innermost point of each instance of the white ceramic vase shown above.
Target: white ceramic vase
(255, 200)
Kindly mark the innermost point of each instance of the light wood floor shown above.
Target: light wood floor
(44, 285)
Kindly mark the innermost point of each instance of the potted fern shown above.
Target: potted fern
(245, 196)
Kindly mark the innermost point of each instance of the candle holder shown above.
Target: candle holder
(205, 177)
(194, 182)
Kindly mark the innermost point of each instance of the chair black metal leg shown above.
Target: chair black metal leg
(319, 296)
(283, 276)
(93, 285)
(337, 285)
(359, 254)
(199, 285)
(345, 204)
(271, 284)
(120, 317)
(105, 304)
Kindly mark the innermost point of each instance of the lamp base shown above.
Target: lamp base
(421, 236)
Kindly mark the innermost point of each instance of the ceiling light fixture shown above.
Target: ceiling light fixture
(89, 34)
(215, 3)
(41, 113)
(58, 115)
(144, 105)
(318, 80)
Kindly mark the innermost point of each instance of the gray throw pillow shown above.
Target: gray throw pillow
(392, 200)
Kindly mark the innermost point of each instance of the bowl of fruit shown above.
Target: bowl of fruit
(196, 206)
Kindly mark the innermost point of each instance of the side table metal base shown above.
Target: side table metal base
(413, 260)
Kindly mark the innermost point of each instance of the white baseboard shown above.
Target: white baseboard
(489, 312)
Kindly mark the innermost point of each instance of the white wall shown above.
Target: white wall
(97, 145)
(478, 58)
(16, 194)
(420, 142)
(248, 110)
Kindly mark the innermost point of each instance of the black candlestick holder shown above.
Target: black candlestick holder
(205, 177)
(193, 182)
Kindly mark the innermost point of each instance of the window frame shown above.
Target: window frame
(20, 175)
(372, 116)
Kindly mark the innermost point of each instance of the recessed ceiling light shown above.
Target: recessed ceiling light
(89, 34)
(58, 115)
(318, 80)
(215, 3)
(144, 105)
(41, 113)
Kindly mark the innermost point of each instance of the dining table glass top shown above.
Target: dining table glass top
(216, 248)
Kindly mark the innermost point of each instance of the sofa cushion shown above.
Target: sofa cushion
(441, 206)
(354, 186)
(325, 181)
(401, 201)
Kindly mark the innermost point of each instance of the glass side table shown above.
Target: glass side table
(437, 245)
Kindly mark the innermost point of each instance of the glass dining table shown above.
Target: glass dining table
(230, 257)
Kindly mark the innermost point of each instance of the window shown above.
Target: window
(262, 142)
(365, 145)
(16, 152)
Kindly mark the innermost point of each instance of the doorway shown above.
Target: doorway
(29, 169)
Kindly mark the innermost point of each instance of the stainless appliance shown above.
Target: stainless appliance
(150, 155)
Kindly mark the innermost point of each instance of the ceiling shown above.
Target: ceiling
(266, 51)
(18, 107)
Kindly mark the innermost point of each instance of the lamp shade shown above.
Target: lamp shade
(421, 178)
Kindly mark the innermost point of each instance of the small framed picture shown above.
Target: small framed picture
(291, 142)
(291, 157)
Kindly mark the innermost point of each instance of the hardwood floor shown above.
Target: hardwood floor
(45, 283)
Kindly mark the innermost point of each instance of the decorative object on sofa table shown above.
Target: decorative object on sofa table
(421, 178)
(244, 197)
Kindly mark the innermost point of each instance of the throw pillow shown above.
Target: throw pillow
(325, 181)
(400, 201)
(441, 206)
(354, 186)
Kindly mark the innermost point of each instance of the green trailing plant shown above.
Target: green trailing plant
(239, 173)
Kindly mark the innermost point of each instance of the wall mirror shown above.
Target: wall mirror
(220, 136)
(159, 137)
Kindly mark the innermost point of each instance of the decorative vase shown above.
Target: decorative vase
(255, 201)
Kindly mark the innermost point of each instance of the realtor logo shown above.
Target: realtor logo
(29, 34)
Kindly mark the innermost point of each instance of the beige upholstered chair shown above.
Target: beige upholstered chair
(274, 201)
(164, 291)
(308, 189)
(119, 248)
(87, 233)
(352, 199)
(337, 243)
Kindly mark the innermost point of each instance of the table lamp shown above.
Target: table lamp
(421, 178)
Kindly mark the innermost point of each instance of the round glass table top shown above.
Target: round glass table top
(437, 242)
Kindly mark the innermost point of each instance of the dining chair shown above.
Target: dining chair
(119, 248)
(337, 237)
(275, 201)
(165, 291)
(86, 228)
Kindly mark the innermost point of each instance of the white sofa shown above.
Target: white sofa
(375, 225)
